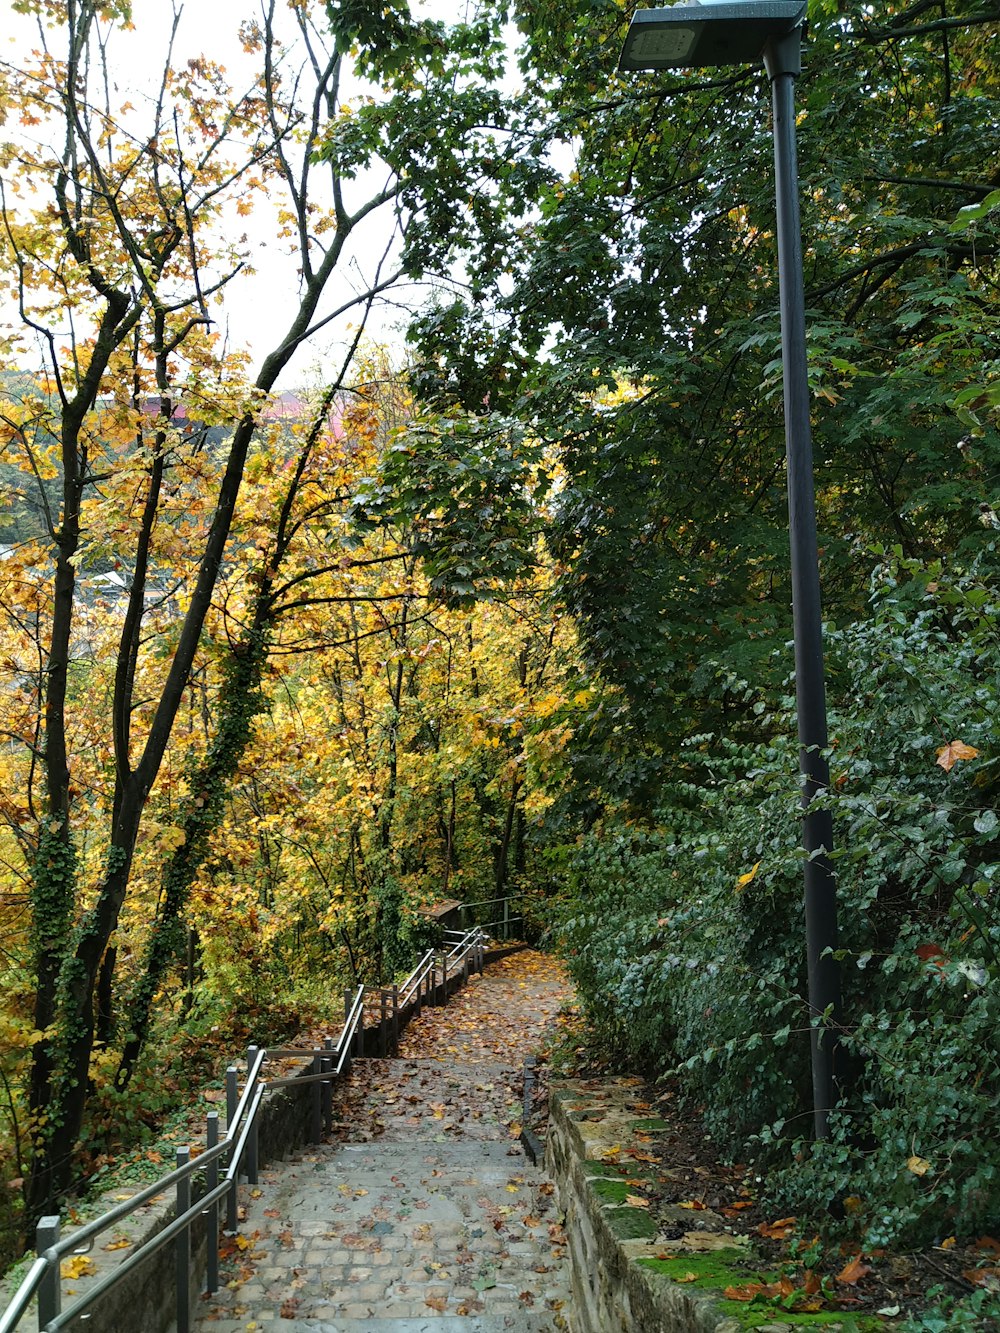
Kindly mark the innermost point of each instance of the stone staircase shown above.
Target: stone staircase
(422, 1213)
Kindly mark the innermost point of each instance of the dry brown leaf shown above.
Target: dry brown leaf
(949, 754)
(746, 1293)
(779, 1230)
(853, 1271)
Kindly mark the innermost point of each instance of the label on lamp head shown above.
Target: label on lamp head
(665, 44)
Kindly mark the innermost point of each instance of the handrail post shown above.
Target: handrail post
(212, 1211)
(317, 1100)
(326, 1066)
(395, 1020)
(50, 1288)
(359, 1036)
(444, 977)
(252, 1053)
(232, 1100)
(182, 1247)
(383, 1040)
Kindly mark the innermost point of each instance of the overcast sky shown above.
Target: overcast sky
(261, 306)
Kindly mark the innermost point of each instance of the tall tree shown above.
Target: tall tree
(635, 323)
(137, 434)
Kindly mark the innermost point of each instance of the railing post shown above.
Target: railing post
(252, 1053)
(395, 1020)
(326, 1066)
(232, 1100)
(317, 1100)
(182, 1248)
(383, 1041)
(359, 1038)
(444, 977)
(50, 1288)
(212, 1211)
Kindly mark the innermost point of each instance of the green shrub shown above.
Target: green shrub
(686, 940)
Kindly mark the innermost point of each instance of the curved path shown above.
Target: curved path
(422, 1213)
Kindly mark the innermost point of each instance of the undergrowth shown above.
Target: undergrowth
(686, 938)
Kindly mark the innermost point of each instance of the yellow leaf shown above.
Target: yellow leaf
(949, 755)
(744, 880)
(918, 1165)
(78, 1266)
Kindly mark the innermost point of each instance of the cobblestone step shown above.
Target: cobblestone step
(520, 1323)
(422, 1215)
(398, 1231)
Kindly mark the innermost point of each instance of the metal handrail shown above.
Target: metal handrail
(237, 1138)
(239, 1142)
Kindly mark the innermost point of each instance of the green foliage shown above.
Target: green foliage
(687, 941)
(467, 493)
(955, 1314)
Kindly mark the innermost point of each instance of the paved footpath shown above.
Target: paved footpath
(422, 1214)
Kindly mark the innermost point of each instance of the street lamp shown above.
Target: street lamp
(692, 36)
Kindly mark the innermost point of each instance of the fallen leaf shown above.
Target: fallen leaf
(438, 1303)
(853, 1271)
(746, 1293)
(779, 1230)
(688, 1277)
(695, 1204)
(918, 1165)
(636, 1201)
(77, 1266)
(982, 1277)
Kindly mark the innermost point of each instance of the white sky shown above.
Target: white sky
(257, 308)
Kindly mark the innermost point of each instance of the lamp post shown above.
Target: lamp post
(693, 36)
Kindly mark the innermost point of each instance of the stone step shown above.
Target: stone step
(513, 1323)
(398, 1232)
(426, 1099)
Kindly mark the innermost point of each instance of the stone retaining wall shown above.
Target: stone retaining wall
(614, 1291)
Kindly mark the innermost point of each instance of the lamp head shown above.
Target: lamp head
(693, 35)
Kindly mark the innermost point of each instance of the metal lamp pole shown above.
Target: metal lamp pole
(783, 62)
(694, 36)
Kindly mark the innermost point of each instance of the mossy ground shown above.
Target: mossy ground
(716, 1271)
